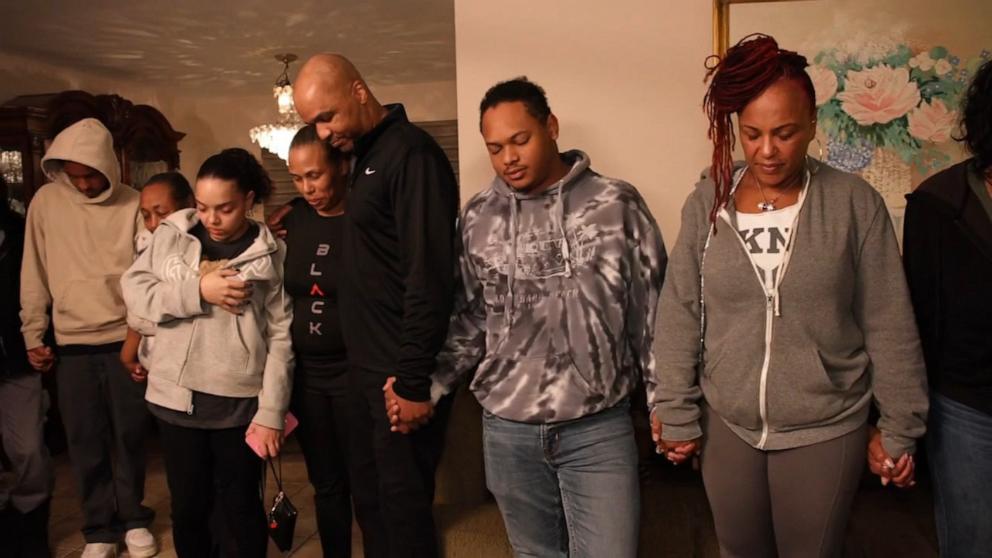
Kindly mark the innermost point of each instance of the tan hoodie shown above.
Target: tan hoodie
(76, 248)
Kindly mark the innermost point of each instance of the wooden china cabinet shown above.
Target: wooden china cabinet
(144, 140)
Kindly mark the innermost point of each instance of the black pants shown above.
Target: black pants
(323, 436)
(209, 469)
(106, 424)
(394, 472)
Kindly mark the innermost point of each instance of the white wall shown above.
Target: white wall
(624, 79)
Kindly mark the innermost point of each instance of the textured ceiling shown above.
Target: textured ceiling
(228, 45)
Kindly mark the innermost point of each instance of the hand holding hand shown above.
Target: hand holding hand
(41, 358)
(899, 472)
(677, 452)
(220, 289)
(405, 416)
(137, 371)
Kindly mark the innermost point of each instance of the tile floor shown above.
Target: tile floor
(676, 520)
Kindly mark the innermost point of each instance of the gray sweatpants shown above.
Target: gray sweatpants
(106, 423)
(22, 419)
(785, 503)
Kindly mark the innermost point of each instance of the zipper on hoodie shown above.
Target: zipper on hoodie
(771, 299)
(769, 322)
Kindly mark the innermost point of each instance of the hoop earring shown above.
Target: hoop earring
(819, 160)
(819, 146)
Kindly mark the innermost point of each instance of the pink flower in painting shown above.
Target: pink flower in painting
(878, 95)
(824, 83)
(932, 122)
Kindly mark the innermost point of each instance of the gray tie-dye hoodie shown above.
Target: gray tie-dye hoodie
(558, 297)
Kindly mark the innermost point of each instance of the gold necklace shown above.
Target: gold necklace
(765, 205)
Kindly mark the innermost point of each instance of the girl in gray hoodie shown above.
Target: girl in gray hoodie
(785, 313)
(221, 371)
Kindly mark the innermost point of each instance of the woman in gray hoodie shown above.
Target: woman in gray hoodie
(784, 314)
(221, 370)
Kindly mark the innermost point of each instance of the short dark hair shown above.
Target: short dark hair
(521, 90)
(977, 118)
(179, 189)
(240, 166)
(307, 135)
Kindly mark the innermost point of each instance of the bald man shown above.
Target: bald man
(396, 295)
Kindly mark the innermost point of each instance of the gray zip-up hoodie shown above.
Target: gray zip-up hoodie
(201, 347)
(558, 297)
(801, 364)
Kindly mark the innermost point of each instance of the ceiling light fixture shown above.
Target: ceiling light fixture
(276, 137)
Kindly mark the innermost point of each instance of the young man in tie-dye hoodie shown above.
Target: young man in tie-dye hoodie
(561, 269)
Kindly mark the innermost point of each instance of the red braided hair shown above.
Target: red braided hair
(748, 68)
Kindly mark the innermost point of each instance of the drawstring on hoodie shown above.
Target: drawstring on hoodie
(511, 272)
(774, 295)
(560, 214)
(559, 217)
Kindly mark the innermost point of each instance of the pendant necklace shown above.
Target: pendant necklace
(766, 205)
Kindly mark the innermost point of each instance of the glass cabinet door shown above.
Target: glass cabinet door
(12, 169)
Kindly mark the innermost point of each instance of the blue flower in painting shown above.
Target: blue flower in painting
(850, 157)
(954, 60)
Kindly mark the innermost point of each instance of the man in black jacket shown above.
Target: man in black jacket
(396, 291)
(948, 259)
(25, 510)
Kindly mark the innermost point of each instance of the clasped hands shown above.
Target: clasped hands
(899, 472)
(405, 416)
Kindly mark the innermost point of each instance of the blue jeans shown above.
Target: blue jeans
(566, 489)
(959, 443)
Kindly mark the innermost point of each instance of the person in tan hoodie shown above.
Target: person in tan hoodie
(79, 241)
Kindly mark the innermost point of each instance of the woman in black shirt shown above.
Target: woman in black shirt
(320, 391)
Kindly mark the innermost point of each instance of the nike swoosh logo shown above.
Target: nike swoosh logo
(369, 171)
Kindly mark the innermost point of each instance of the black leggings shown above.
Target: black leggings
(323, 436)
(207, 469)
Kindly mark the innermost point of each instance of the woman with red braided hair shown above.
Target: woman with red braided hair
(784, 313)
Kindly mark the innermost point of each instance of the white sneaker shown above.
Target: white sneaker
(100, 550)
(140, 543)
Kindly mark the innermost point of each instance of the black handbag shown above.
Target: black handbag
(282, 516)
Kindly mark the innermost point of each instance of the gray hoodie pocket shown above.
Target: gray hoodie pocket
(710, 365)
(217, 345)
(241, 354)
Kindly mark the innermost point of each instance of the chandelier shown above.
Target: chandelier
(277, 136)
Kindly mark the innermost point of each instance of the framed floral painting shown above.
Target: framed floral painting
(889, 78)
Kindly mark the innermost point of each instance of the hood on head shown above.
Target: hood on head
(87, 142)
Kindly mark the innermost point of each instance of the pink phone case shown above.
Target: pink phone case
(291, 423)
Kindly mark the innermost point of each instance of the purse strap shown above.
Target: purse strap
(276, 475)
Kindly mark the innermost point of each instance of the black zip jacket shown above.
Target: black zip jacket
(13, 355)
(397, 285)
(948, 259)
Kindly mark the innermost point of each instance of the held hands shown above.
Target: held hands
(41, 358)
(405, 416)
(264, 441)
(220, 289)
(677, 452)
(137, 371)
(900, 473)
